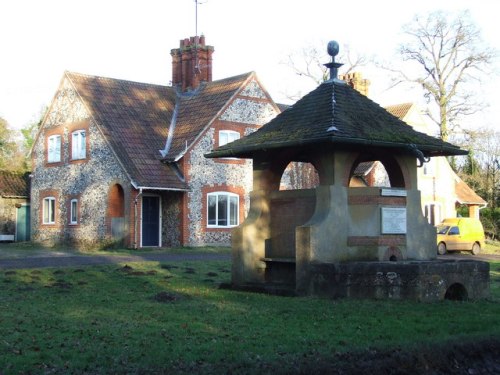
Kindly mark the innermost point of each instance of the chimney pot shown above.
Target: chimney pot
(191, 63)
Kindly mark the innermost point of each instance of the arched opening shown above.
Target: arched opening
(116, 201)
(456, 292)
(375, 171)
(116, 212)
(299, 175)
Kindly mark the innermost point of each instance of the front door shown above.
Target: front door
(150, 221)
(23, 224)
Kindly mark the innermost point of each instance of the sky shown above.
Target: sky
(132, 39)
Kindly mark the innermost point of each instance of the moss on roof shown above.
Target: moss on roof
(336, 113)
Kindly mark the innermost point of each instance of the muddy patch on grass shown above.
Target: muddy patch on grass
(165, 297)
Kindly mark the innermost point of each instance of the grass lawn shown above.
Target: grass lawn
(172, 318)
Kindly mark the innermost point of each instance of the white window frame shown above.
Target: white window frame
(73, 211)
(434, 208)
(429, 167)
(49, 210)
(229, 199)
(228, 136)
(54, 149)
(78, 145)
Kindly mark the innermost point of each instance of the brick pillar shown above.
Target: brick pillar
(356, 81)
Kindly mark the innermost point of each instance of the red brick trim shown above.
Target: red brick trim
(55, 131)
(238, 190)
(386, 240)
(83, 125)
(253, 98)
(57, 220)
(237, 127)
(68, 210)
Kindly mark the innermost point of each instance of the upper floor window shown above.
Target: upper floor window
(429, 168)
(54, 149)
(227, 136)
(73, 211)
(223, 210)
(78, 145)
(49, 210)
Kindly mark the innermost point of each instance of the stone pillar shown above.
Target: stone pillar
(249, 240)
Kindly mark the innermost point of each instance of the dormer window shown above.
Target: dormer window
(54, 149)
(78, 145)
(227, 136)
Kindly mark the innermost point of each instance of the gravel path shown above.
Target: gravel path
(71, 260)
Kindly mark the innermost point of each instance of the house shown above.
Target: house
(442, 189)
(14, 206)
(116, 160)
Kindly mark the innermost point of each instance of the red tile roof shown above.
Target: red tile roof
(136, 118)
(14, 184)
(399, 110)
(465, 195)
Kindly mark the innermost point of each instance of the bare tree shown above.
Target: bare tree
(308, 62)
(445, 55)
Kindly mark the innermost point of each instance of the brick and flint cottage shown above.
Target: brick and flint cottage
(14, 206)
(116, 160)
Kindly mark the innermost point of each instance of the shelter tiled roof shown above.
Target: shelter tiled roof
(14, 184)
(136, 119)
(334, 113)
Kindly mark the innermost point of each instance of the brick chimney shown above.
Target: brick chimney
(356, 81)
(191, 63)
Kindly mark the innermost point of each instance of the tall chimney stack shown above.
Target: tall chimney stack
(357, 82)
(191, 63)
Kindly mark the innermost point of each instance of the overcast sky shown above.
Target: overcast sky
(132, 40)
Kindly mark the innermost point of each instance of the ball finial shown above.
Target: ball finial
(333, 48)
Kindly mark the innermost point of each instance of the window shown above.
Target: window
(454, 231)
(78, 145)
(222, 210)
(49, 210)
(227, 136)
(73, 211)
(432, 213)
(54, 149)
(429, 168)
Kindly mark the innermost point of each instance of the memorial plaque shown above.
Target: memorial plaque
(393, 193)
(393, 220)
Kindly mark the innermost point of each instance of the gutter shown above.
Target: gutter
(358, 141)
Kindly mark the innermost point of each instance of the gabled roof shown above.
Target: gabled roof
(465, 195)
(399, 110)
(136, 120)
(197, 110)
(14, 185)
(334, 113)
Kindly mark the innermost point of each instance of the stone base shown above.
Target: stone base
(426, 281)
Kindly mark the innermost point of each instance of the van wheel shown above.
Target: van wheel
(476, 248)
(441, 248)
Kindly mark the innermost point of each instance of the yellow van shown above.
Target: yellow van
(461, 233)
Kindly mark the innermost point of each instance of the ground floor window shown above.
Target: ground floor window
(73, 211)
(49, 210)
(223, 210)
(432, 213)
